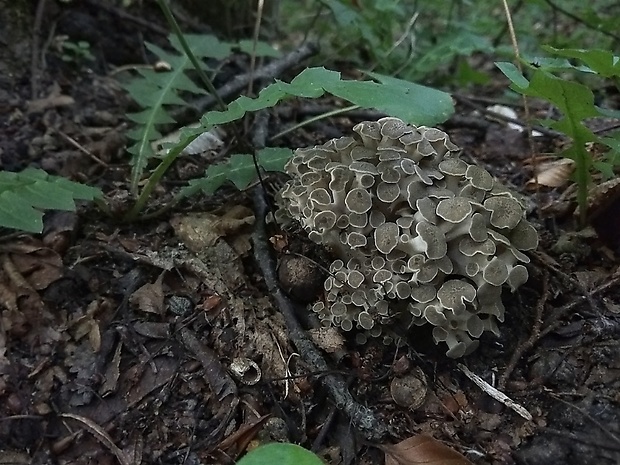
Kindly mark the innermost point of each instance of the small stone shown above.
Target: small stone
(410, 391)
(300, 278)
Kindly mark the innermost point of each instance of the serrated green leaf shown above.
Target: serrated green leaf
(155, 91)
(262, 49)
(280, 454)
(204, 45)
(239, 169)
(513, 73)
(274, 158)
(16, 213)
(412, 102)
(605, 168)
(602, 62)
(572, 98)
(24, 194)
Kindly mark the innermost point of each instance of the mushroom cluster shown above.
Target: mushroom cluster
(420, 236)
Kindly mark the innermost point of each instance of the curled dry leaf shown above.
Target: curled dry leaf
(150, 297)
(603, 212)
(422, 449)
(555, 173)
(202, 230)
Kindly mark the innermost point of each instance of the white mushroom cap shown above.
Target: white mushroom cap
(454, 210)
(454, 293)
(427, 209)
(453, 166)
(365, 320)
(479, 177)
(356, 240)
(469, 247)
(388, 193)
(355, 279)
(415, 225)
(518, 275)
(393, 127)
(386, 237)
(358, 220)
(433, 239)
(369, 131)
(524, 236)
(496, 272)
(505, 211)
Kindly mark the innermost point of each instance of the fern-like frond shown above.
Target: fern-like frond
(411, 102)
(239, 169)
(156, 90)
(23, 195)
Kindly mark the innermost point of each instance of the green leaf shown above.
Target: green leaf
(274, 158)
(412, 102)
(203, 45)
(602, 62)
(239, 169)
(23, 195)
(576, 103)
(262, 49)
(155, 91)
(513, 73)
(280, 454)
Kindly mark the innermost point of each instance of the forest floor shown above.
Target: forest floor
(157, 342)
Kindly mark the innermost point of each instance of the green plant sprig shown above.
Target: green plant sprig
(24, 196)
(163, 4)
(575, 101)
(410, 102)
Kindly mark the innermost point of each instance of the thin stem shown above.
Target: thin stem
(163, 4)
(328, 114)
(155, 177)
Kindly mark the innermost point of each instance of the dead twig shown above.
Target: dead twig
(188, 113)
(34, 52)
(526, 345)
(602, 427)
(495, 393)
(82, 149)
(364, 419)
(468, 102)
(124, 15)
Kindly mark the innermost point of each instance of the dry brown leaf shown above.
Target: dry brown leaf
(328, 339)
(555, 173)
(150, 297)
(238, 442)
(54, 100)
(422, 449)
(604, 212)
(100, 434)
(202, 230)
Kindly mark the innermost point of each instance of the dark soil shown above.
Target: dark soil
(149, 342)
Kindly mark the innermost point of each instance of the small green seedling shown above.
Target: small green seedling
(280, 454)
(575, 102)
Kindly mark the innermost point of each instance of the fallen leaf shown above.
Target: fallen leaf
(202, 230)
(237, 442)
(100, 434)
(603, 209)
(150, 297)
(422, 449)
(555, 173)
